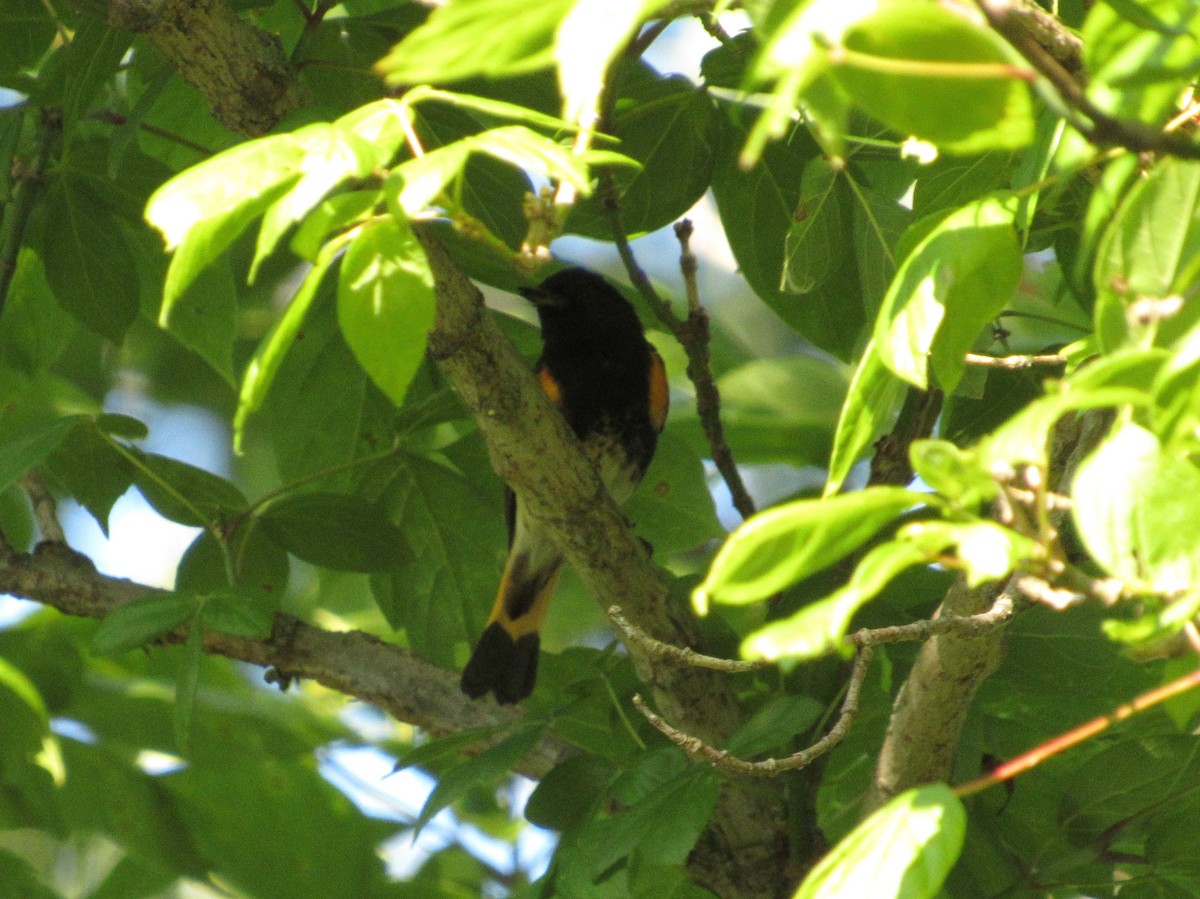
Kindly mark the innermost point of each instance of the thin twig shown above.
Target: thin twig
(24, 198)
(1100, 128)
(714, 27)
(723, 760)
(1015, 363)
(679, 655)
(1077, 735)
(693, 335)
(1055, 502)
(45, 508)
(1000, 612)
(641, 42)
(916, 631)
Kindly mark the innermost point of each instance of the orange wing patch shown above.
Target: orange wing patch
(660, 396)
(550, 386)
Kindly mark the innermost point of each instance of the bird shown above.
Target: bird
(610, 385)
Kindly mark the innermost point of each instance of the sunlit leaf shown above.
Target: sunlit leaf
(820, 627)
(948, 288)
(930, 73)
(476, 37)
(386, 304)
(781, 546)
(904, 850)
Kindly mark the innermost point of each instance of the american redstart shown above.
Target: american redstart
(611, 387)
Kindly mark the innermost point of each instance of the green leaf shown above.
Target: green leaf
(1134, 508)
(986, 551)
(16, 520)
(95, 53)
(756, 208)
(871, 404)
(588, 38)
(794, 52)
(258, 564)
(661, 826)
(956, 280)
(87, 258)
(954, 473)
(818, 240)
(35, 329)
(204, 317)
(490, 765)
(336, 531)
(903, 850)
(441, 594)
(1023, 438)
(26, 448)
(204, 208)
(269, 356)
(1143, 17)
(493, 38)
(137, 623)
(525, 149)
(416, 183)
(1135, 71)
(241, 612)
(930, 73)
(336, 213)
(780, 719)
(569, 794)
(820, 627)
(91, 469)
(184, 493)
(1151, 250)
(18, 878)
(670, 128)
(673, 509)
(386, 304)
(188, 681)
(27, 30)
(781, 546)
(1176, 389)
(775, 410)
(330, 155)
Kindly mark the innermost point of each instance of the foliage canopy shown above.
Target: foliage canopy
(966, 238)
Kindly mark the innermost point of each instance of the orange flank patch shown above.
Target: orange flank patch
(550, 386)
(660, 398)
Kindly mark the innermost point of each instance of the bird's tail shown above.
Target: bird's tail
(505, 659)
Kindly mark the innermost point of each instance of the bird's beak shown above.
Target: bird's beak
(538, 296)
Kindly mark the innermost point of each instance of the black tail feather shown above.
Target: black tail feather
(502, 666)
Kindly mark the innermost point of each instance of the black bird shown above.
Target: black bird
(611, 387)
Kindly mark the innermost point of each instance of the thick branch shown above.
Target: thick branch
(351, 662)
(241, 70)
(932, 705)
(533, 449)
(934, 701)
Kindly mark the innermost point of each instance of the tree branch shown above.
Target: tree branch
(351, 662)
(535, 452)
(932, 704)
(241, 70)
(722, 759)
(45, 509)
(1035, 39)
